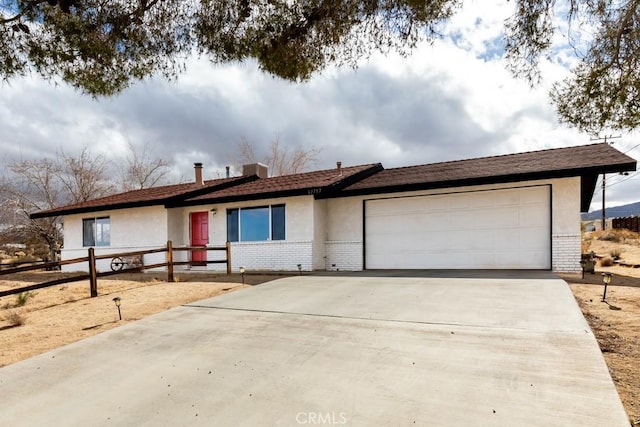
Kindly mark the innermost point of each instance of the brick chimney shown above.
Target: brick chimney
(339, 167)
(198, 172)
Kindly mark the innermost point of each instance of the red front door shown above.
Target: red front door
(199, 236)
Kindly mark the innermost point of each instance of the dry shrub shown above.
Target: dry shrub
(615, 253)
(616, 235)
(15, 319)
(628, 235)
(610, 237)
(585, 245)
(606, 262)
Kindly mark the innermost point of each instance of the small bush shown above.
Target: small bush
(23, 297)
(15, 319)
(615, 253)
(610, 237)
(606, 262)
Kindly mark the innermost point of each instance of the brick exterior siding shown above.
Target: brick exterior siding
(566, 250)
(343, 255)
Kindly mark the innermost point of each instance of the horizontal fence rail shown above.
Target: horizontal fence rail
(94, 274)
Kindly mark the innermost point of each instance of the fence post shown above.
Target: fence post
(93, 274)
(170, 277)
(228, 257)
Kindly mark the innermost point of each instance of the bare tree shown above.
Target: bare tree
(83, 177)
(32, 186)
(280, 159)
(35, 185)
(140, 170)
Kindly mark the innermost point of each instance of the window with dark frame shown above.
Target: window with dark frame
(256, 224)
(96, 231)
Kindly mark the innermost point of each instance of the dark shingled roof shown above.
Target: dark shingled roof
(560, 162)
(586, 162)
(310, 183)
(145, 197)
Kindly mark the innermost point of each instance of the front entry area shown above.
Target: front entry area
(490, 229)
(199, 223)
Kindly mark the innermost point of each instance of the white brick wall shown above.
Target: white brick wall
(343, 255)
(270, 256)
(566, 253)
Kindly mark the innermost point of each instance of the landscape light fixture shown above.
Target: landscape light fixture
(300, 269)
(606, 278)
(583, 265)
(116, 301)
(242, 270)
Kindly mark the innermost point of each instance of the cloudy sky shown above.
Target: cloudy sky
(449, 100)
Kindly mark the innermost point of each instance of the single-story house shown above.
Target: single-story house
(516, 211)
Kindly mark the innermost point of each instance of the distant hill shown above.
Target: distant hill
(632, 209)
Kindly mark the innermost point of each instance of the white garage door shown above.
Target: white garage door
(501, 229)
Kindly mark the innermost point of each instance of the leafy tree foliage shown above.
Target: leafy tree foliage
(604, 88)
(100, 46)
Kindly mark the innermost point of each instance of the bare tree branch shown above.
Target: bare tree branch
(279, 159)
(140, 170)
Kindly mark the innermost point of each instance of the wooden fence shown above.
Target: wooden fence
(630, 223)
(93, 273)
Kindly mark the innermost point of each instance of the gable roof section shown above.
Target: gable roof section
(585, 161)
(316, 183)
(146, 197)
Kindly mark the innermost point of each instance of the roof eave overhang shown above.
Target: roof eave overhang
(244, 197)
(586, 175)
(146, 203)
(589, 178)
(91, 209)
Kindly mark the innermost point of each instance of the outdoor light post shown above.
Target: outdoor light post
(242, 273)
(116, 301)
(300, 269)
(606, 278)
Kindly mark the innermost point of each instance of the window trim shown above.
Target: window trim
(237, 227)
(95, 221)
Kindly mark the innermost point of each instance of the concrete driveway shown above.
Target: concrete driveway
(485, 349)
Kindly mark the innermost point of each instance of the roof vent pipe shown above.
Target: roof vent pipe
(339, 165)
(198, 172)
(227, 168)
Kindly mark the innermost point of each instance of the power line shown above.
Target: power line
(633, 175)
(635, 146)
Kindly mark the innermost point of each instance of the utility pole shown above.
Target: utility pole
(604, 178)
(604, 216)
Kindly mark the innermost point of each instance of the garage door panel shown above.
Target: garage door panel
(537, 215)
(487, 229)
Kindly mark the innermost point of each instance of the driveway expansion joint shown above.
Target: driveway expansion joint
(403, 321)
